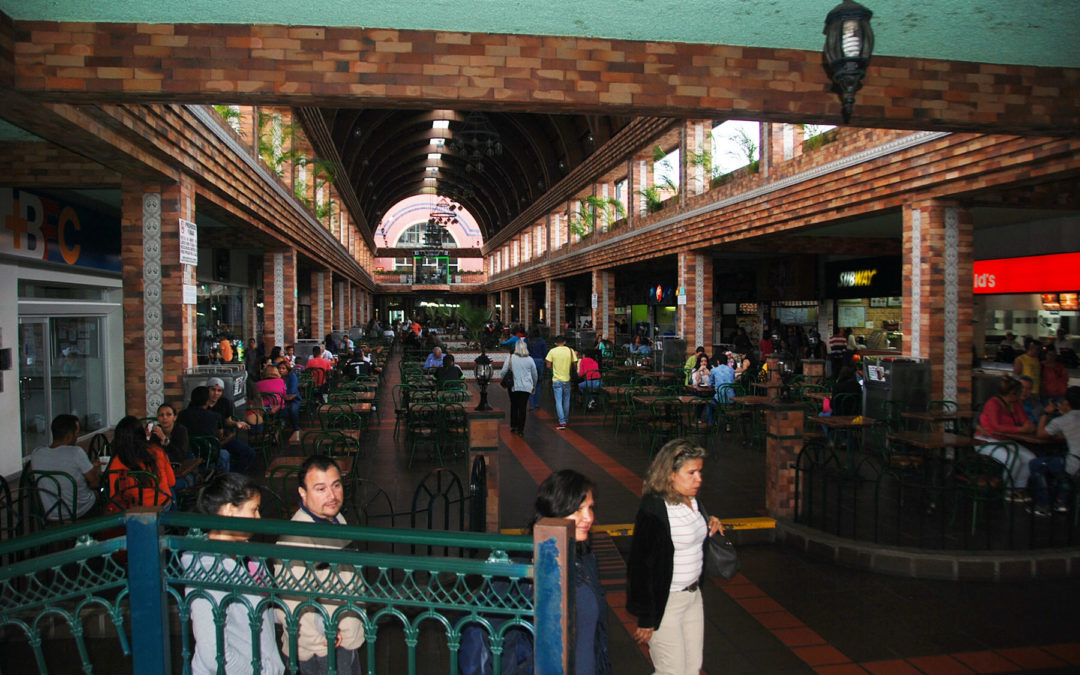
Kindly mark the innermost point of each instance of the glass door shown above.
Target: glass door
(61, 370)
(34, 391)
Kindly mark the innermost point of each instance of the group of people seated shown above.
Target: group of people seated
(1004, 415)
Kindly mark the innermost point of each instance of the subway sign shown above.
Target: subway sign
(878, 277)
(1031, 274)
(39, 228)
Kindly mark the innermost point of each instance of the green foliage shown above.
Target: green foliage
(472, 318)
(704, 159)
(658, 154)
(815, 136)
(594, 212)
(654, 198)
(323, 211)
(746, 148)
(231, 116)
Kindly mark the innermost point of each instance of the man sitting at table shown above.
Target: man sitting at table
(64, 455)
(1067, 426)
(448, 370)
(1031, 403)
(434, 359)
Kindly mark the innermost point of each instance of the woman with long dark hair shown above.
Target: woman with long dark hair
(568, 494)
(667, 557)
(236, 496)
(133, 451)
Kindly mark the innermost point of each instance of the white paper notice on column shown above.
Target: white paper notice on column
(191, 294)
(595, 300)
(189, 243)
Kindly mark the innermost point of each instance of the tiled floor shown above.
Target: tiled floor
(784, 613)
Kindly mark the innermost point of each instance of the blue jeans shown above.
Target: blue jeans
(534, 398)
(1055, 466)
(240, 455)
(562, 399)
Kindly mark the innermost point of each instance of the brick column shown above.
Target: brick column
(159, 330)
(554, 307)
(784, 427)
(695, 322)
(506, 299)
(643, 178)
(279, 301)
(603, 315)
(525, 306)
(322, 303)
(697, 173)
(339, 305)
(938, 296)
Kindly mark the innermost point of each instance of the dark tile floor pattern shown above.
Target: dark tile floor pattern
(784, 613)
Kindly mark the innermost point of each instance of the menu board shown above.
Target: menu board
(851, 316)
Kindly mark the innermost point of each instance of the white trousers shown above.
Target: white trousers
(677, 645)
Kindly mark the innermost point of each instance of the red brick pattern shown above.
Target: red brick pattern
(314, 65)
(554, 297)
(178, 320)
(38, 164)
(958, 164)
(603, 315)
(288, 305)
(688, 275)
(784, 426)
(525, 308)
(932, 296)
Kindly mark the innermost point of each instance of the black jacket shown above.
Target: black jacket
(652, 562)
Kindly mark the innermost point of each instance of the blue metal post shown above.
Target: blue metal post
(146, 585)
(554, 603)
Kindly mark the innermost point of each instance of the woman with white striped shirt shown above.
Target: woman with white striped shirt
(667, 560)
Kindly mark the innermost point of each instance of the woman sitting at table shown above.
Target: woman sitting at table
(699, 377)
(1003, 414)
(132, 451)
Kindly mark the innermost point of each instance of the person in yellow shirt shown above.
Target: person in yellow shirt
(1028, 364)
(561, 360)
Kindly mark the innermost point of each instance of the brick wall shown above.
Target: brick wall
(313, 65)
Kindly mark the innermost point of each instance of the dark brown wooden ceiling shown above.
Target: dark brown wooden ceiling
(384, 153)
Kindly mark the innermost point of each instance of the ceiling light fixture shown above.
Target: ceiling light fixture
(475, 141)
(849, 43)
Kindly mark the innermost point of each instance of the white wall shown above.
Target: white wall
(10, 435)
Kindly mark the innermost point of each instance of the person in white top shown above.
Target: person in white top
(64, 455)
(667, 560)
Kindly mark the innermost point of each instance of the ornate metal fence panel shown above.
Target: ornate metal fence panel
(174, 581)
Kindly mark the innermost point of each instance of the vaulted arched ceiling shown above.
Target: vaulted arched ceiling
(389, 154)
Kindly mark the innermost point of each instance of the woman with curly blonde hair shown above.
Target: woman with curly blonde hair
(667, 560)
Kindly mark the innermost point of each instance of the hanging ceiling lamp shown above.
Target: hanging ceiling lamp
(476, 141)
(849, 43)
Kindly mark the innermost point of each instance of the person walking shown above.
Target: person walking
(525, 382)
(667, 556)
(537, 350)
(562, 360)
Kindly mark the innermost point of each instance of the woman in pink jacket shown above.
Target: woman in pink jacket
(1001, 415)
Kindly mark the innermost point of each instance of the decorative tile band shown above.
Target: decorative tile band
(952, 288)
(916, 282)
(152, 320)
(699, 300)
(279, 299)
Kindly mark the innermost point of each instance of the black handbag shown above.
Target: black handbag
(507, 380)
(721, 558)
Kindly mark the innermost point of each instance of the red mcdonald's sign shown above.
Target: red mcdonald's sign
(1031, 274)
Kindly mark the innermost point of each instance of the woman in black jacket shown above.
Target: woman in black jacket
(667, 560)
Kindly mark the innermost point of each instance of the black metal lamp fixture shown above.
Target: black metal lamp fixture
(849, 43)
(483, 378)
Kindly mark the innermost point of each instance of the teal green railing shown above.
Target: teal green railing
(156, 566)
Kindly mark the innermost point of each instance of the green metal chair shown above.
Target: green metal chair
(424, 427)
